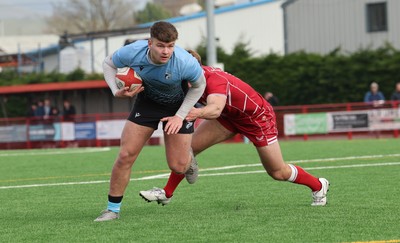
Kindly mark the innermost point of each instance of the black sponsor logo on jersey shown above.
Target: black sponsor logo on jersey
(167, 75)
(141, 68)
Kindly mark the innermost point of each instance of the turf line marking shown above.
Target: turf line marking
(165, 175)
(346, 158)
(66, 151)
(311, 168)
(56, 184)
(80, 176)
(152, 177)
(353, 166)
(306, 161)
(85, 150)
(231, 167)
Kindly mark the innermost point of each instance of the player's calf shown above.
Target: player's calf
(193, 172)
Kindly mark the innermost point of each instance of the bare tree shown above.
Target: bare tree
(80, 16)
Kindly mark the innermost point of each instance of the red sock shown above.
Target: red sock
(307, 179)
(173, 182)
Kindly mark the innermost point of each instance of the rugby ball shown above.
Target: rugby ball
(127, 77)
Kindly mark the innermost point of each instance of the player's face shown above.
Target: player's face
(160, 52)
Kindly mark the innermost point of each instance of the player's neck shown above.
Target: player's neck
(150, 59)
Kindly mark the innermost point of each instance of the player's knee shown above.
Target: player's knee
(125, 159)
(180, 167)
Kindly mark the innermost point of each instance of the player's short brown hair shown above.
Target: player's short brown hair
(164, 31)
(195, 55)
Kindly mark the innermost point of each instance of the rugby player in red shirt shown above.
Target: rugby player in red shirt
(232, 106)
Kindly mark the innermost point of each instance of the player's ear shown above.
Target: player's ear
(149, 42)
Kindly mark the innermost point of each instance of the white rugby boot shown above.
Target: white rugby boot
(155, 195)
(319, 197)
(107, 215)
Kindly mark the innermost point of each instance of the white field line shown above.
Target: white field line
(165, 175)
(105, 149)
(346, 158)
(311, 168)
(62, 151)
(307, 161)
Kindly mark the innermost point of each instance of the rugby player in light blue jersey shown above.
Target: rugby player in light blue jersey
(165, 69)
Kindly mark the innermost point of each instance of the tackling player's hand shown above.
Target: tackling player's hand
(125, 93)
(174, 124)
(193, 114)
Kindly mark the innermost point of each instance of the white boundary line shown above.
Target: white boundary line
(307, 161)
(311, 168)
(61, 151)
(346, 158)
(165, 175)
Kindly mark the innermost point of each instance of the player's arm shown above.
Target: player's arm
(213, 109)
(110, 70)
(174, 123)
(192, 96)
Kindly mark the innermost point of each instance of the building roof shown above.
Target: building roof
(29, 88)
(219, 10)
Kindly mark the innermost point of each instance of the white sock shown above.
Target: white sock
(293, 176)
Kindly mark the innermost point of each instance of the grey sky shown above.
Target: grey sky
(36, 8)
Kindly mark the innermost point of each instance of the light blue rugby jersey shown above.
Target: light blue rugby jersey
(162, 83)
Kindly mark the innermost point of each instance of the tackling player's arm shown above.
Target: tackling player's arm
(174, 123)
(193, 73)
(213, 109)
(193, 95)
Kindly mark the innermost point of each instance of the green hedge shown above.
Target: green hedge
(12, 77)
(297, 78)
(309, 78)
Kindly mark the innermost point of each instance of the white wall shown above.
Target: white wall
(320, 26)
(259, 24)
(100, 48)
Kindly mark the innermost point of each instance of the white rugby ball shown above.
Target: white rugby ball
(127, 77)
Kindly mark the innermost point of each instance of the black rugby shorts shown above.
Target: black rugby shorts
(148, 113)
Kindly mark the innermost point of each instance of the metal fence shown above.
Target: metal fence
(324, 121)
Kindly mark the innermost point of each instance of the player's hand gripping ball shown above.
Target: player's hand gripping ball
(127, 77)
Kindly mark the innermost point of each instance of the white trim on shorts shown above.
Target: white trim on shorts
(272, 140)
